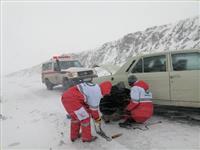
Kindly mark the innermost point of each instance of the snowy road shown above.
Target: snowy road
(33, 118)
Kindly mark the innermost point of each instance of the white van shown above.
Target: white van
(173, 76)
(65, 70)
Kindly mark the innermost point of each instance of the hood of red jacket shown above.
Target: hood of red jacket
(105, 87)
(141, 84)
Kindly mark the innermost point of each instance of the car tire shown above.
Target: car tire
(67, 83)
(48, 84)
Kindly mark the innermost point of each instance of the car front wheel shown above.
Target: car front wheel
(67, 84)
(48, 84)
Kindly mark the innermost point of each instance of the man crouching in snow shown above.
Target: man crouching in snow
(140, 107)
(80, 102)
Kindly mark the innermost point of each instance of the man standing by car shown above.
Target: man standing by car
(80, 102)
(140, 107)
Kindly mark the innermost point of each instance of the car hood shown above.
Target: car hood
(110, 68)
(76, 69)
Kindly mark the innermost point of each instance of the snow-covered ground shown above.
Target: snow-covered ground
(34, 118)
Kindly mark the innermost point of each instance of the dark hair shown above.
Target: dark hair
(132, 79)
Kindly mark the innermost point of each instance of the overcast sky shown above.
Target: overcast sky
(32, 32)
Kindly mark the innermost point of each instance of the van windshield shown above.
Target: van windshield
(68, 64)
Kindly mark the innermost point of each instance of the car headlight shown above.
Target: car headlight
(94, 72)
(73, 74)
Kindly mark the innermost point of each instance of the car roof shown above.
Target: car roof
(165, 52)
(53, 60)
(131, 59)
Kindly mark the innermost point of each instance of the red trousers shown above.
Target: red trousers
(141, 112)
(85, 127)
(71, 104)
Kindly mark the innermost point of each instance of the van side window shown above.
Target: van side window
(186, 61)
(155, 64)
(138, 67)
(47, 66)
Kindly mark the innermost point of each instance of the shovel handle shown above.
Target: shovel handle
(116, 135)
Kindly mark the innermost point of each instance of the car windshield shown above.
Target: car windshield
(68, 64)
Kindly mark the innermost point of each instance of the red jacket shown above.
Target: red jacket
(140, 106)
(73, 99)
(85, 95)
(80, 101)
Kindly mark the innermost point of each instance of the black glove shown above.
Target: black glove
(127, 112)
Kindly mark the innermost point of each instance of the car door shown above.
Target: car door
(154, 70)
(184, 77)
(57, 74)
(51, 73)
(47, 71)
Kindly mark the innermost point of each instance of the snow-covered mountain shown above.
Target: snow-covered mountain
(184, 34)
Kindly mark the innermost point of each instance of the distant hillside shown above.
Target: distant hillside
(27, 72)
(184, 34)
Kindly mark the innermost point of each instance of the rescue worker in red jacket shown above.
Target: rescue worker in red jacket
(81, 102)
(140, 107)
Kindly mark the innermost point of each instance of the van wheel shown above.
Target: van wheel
(67, 83)
(48, 84)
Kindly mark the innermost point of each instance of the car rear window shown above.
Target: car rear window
(186, 61)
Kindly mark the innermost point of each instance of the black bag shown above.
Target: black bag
(116, 101)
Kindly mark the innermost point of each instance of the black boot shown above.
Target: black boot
(127, 123)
